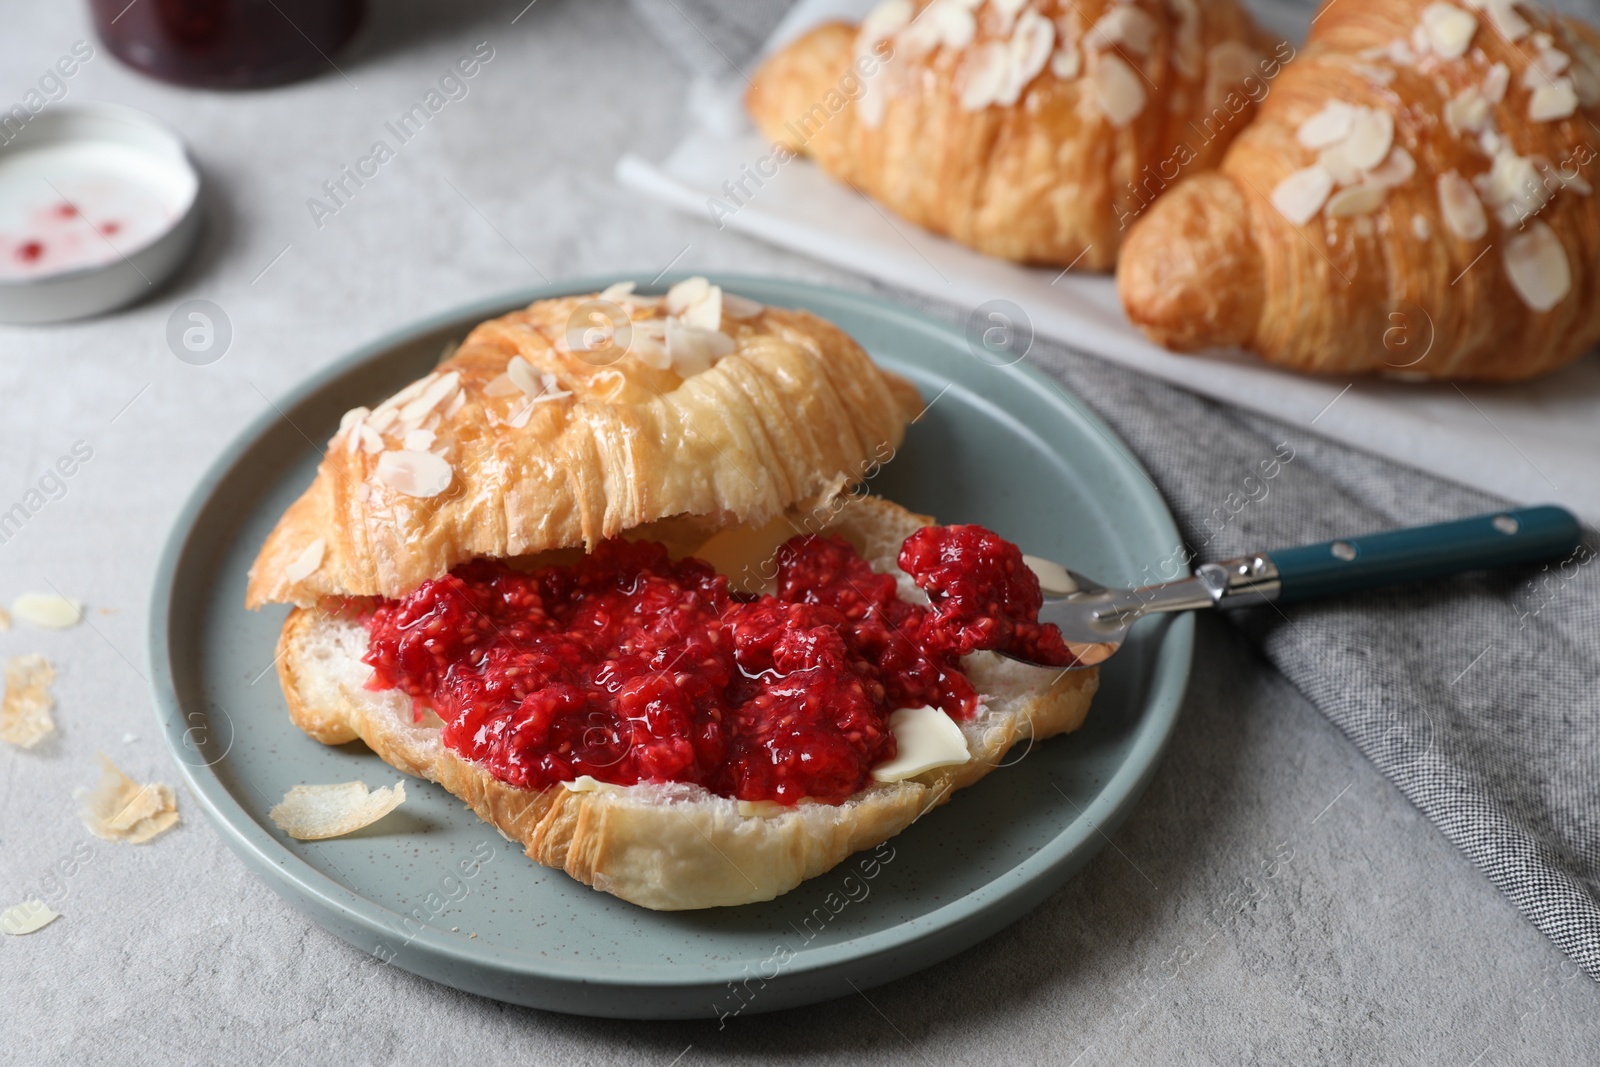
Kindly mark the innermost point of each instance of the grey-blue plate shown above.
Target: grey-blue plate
(436, 891)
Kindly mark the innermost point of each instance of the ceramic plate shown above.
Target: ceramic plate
(436, 891)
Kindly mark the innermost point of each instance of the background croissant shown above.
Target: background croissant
(1034, 131)
(1414, 197)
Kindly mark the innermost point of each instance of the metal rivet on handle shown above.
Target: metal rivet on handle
(1343, 550)
(1506, 524)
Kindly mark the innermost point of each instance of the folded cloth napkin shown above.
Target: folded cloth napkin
(1478, 696)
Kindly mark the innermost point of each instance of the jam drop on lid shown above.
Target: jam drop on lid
(30, 251)
(631, 667)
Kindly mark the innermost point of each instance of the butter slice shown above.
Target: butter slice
(746, 555)
(585, 783)
(927, 739)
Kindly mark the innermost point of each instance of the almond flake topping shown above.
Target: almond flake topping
(307, 562)
(884, 21)
(1495, 83)
(1503, 17)
(1449, 29)
(418, 440)
(52, 611)
(1556, 100)
(1512, 186)
(1538, 268)
(1327, 127)
(1467, 111)
(1301, 195)
(318, 812)
(1123, 25)
(1118, 89)
(1462, 210)
(28, 917)
(1368, 143)
(25, 711)
(434, 395)
(371, 440)
(418, 474)
(1355, 200)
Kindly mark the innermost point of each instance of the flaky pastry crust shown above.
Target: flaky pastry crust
(582, 442)
(1446, 274)
(1037, 132)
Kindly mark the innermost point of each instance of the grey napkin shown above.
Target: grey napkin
(1479, 696)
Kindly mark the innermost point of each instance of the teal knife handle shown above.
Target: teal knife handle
(1499, 539)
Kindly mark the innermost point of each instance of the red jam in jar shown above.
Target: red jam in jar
(631, 667)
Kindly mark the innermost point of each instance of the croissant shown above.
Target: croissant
(572, 420)
(1413, 199)
(1031, 130)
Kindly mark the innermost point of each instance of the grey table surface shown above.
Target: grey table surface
(1273, 898)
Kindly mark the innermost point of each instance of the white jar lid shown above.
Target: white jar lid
(99, 204)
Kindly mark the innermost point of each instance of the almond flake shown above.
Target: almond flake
(1029, 51)
(1556, 100)
(351, 417)
(1396, 170)
(1548, 64)
(1066, 63)
(1356, 200)
(318, 812)
(1513, 187)
(419, 474)
(418, 440)
(1371, 137)
(1449, 29)
(1420, 227)
(523, 376)
(706, 313)
(955, 25)
(686, 293)
(119, 809)
(649, 344)
(1503, 17)
(371, 440)
(1495, 83)
(1123, 25)
(51, 611)
(1459, 205)
(409, 393)
(1327, 127)
(1467, 111)
(884, 21)
(382, 420)
(983, 74)
(1301, 195)
(501, 385)
(740, 307)
(1538, 268)
(431, 397)
(1119, 91)
(307, 562)
(455, 405)
(28, 917)
(618, 291)
(25, 710)
(693, 349)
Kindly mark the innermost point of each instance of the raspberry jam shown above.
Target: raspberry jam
(630, 667)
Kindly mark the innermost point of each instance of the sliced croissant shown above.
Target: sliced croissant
(1032, 130)
(575, 419)
(1414, 198)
